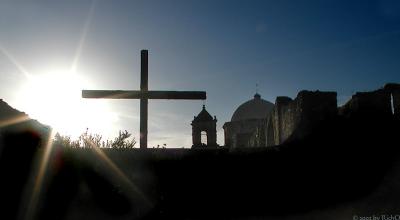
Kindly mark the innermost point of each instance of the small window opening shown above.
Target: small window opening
(204, 138)
(391, 103)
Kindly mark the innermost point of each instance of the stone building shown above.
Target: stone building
(247, 118)
(293, 119)
(296, 118)
(204, 124)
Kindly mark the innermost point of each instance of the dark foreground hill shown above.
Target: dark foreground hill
(346, 167)
(20, 139)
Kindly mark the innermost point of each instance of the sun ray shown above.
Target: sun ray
(14, 120)
(38, 184)
(119, 172)
(82, 40)
(15, 62)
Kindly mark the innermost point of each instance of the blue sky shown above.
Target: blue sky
(222, 47)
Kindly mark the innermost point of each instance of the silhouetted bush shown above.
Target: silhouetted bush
(89, 140)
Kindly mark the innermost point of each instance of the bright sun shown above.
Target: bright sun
(54, 98)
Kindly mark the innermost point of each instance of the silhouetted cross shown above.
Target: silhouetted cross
(144, 95)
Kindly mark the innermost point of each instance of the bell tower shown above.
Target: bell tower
(204, 123)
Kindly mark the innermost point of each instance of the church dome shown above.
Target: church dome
(256, 108)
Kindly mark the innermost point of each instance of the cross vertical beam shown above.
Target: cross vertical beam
(144, 102)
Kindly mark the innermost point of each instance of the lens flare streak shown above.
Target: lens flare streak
(14, 120)
(119, 172)
(38, 184)
(82, 40)
(15, 62)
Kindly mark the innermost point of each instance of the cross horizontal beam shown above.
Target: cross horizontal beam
(137, 94)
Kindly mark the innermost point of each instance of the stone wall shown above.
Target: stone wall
(296, 118)
(285, 118)
(368, 104)
(240, 133)
(383, 102)
(292, 119)
(258, 138)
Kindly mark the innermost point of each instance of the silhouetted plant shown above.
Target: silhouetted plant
(163, 146)
(89, 140)
(65, 141)
(122, 140)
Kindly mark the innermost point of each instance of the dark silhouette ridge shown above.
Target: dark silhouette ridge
(20, 138)
(22, 146)
(290, 180)
(351, 158)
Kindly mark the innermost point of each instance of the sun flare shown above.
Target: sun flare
(54, 98)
